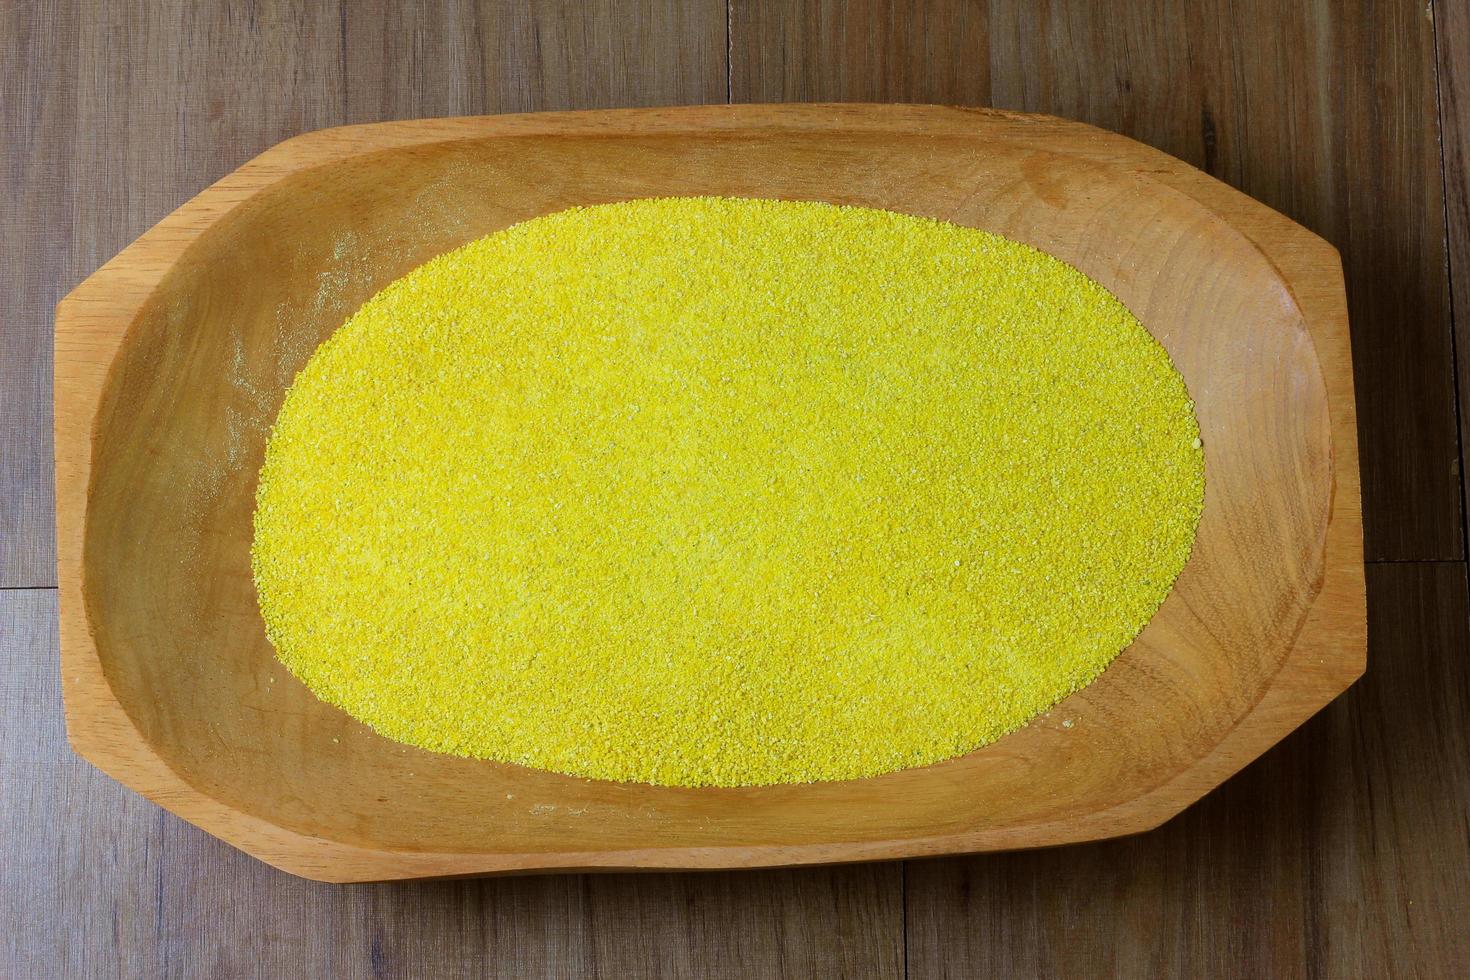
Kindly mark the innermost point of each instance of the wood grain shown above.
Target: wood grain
(36, 137)
(859, 51)
(1323, 112)
(417, 60)
(1341, 853)
(95, 881)
(172, 361)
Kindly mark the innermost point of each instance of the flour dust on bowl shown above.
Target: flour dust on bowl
(724, 492)
(717, 487)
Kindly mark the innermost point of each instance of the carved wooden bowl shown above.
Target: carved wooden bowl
(172, 360)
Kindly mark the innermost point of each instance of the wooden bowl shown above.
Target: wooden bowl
(171, 362)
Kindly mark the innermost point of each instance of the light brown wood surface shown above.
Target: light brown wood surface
(172, 360)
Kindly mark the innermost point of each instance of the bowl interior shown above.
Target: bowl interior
(191, 397)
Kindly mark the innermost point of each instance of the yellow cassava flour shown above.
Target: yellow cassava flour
(711, 491)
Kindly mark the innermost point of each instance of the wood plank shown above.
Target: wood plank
(95, 881)
(1326, 115)
(801, 923)
(37, 60)
(1452, 45)
(1342, 852)
(1386, 215)
(406, 61)
(860, 51)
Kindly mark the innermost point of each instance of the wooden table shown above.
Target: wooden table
(1343, 852)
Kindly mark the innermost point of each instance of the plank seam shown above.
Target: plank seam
(1415, 561)
(1449, 273)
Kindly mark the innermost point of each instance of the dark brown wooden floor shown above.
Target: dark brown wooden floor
(1343, 852)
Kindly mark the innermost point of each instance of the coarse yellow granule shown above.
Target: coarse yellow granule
(709, 491)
